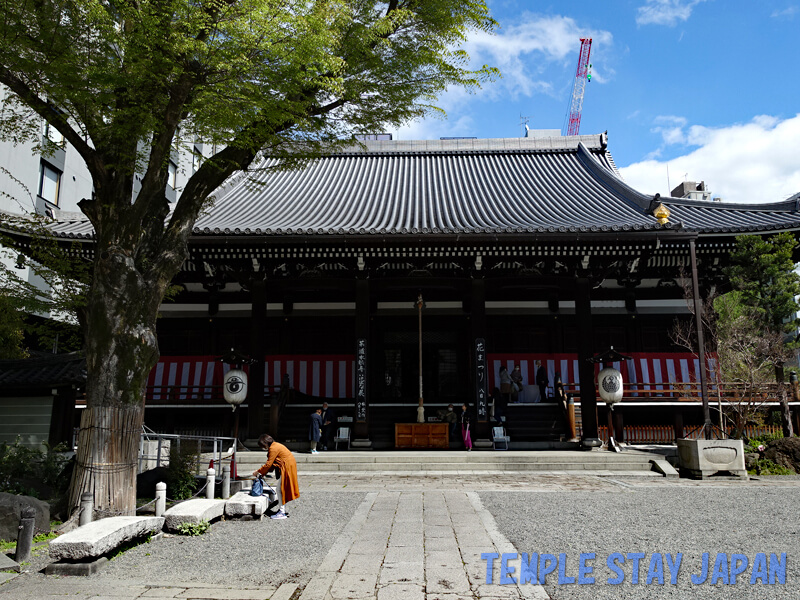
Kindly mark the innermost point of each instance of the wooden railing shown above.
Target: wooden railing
(690, 392)
(665, 434)
(194, 394)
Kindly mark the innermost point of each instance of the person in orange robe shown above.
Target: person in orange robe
(281, 457)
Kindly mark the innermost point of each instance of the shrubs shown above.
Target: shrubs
(772, 454)
(34, 471)
(181, 481)
(193, 528)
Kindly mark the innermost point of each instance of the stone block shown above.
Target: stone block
(7, 564)
(75, 569)
(708, 458)
(101, 537)
(242, 503)
(196, 510)
(11, 506)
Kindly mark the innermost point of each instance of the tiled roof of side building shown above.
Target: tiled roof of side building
(555, 185)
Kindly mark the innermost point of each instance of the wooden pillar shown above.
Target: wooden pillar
(619, 425)
(62, 417)
(588, 391)
(361, 416)
(701, 346)
(258, 349)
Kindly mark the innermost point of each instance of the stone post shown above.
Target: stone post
(25, 535)
(210, 484)
(87, 509)
(161, 498)
(226, 482)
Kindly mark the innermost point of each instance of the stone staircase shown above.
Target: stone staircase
(459, 462)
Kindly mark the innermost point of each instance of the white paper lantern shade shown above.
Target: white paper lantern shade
(234, 387)
(609, 384)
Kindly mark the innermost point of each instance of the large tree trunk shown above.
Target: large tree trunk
(121, 349)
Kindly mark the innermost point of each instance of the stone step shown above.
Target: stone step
(459, 461)
(515, 467)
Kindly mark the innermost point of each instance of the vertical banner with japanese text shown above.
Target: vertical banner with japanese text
(481, 380)
(361, 380)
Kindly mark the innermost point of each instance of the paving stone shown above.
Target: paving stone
(356, 564)
(446, 580)
(441, 544)
(442, 559)
(438, 531)
(369, 549)
(226, 594)
(319, 586)
(163, 592)
(402, 572)
(499, 592)
(396, 554)
(4, 577)
(284, 592)
(406, 539)
(402, 591)
(353, 587)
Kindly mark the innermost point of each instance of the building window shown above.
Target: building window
(54, 135)
(49, 183)
(197, 158)
(172, 180)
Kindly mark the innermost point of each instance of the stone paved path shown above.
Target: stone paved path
(415, 537)
(415, 546)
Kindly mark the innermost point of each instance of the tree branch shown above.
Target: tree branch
(54, 117)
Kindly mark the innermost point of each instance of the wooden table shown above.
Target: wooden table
(422, 435)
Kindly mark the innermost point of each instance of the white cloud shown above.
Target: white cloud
(788, 12)
(751, 162)
(665, 12)
(671, 129)
(523, 50)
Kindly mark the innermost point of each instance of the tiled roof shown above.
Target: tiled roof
(517, 185)
(47, 370)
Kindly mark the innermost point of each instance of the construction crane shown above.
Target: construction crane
(582, 75)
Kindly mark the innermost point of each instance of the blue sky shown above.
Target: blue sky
(702, 89)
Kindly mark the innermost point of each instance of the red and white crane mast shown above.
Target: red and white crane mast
(582, 75)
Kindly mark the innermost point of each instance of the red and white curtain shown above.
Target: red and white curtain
(328, 376)
(651, 371)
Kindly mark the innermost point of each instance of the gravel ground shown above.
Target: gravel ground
(655, 520)
(248, 553)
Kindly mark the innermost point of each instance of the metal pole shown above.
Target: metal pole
(701, 346)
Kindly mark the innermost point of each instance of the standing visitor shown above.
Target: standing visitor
(315, 429)
(505, 384)
(328, 425)
(465, 433)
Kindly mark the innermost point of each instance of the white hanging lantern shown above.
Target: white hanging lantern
(609, 384)
(234, 387)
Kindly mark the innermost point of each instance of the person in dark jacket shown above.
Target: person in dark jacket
(315, 429)
(329, 423)
(542, 382)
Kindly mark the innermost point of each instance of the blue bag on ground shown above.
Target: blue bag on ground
(258, 487)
